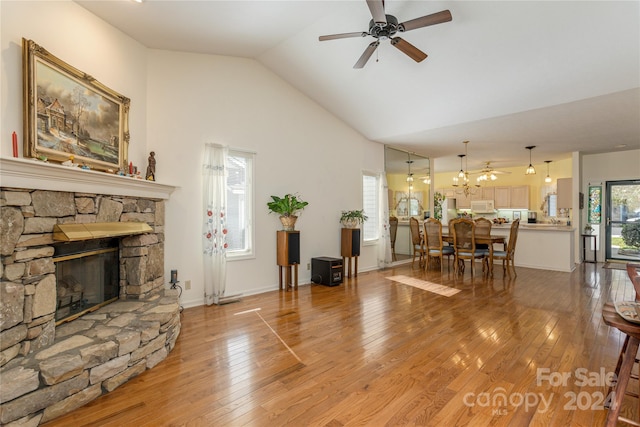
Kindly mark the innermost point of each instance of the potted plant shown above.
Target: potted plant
(588, 229)
(287, 207)
(352, 219)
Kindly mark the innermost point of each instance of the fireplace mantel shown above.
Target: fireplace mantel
(34, 174)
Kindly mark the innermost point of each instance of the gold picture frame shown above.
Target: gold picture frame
(69, 113)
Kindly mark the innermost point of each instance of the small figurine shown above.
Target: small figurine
(69, 162)
(151, 168)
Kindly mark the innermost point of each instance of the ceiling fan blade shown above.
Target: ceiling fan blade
(377, 11)
(425, 21)
(343, 36)
(408, 49)
(367, 54)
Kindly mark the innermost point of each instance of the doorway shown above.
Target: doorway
(622, 231)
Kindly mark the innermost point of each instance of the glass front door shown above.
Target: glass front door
(623, 220)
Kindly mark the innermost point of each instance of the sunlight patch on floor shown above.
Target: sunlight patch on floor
(424, 285)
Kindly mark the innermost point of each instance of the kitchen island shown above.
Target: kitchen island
(540, 246)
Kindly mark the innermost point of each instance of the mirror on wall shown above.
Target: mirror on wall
(409, 186)
(408, 179)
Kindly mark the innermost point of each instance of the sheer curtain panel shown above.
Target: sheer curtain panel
(214, 176)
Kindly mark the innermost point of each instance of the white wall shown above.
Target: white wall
(301, 148)
(179, 102)
(80, 39)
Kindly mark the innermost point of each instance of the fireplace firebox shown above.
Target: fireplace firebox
(87, 276)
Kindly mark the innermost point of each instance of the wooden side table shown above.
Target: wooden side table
(288, 258)
(350, 248)
(588, 237)
(625, 361)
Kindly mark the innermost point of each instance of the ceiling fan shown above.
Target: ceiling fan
(489, 173)
(383, 27)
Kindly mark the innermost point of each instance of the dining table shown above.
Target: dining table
(487, 240)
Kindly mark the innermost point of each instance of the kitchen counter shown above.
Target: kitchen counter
(540, 246)
(536, 226)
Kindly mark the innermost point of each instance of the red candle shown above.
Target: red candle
(130, 168)
(14, 141)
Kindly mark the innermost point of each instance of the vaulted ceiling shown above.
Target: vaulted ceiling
(561, 75)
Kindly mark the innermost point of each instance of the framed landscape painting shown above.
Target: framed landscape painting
(69, 113)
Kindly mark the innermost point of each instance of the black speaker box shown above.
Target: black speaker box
(326, 271)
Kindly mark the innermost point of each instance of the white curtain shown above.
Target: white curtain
(214, 176)
(384, 242)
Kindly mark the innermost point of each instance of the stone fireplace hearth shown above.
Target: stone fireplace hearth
(48, 370)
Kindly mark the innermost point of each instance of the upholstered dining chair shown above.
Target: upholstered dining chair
(507, 256)
(483, 229)
(464, 243)
(417, 242)
(433, 242)
(393, 232)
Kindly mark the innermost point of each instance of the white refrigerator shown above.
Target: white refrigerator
(449, 211)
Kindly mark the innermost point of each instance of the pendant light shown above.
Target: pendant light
(462, 180)
(409, 174)
(461, 174)
(530, 170)
(548, 178)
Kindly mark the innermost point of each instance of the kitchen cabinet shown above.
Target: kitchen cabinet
(448, 193)
(463, 202)
(484, 193)
(502, 197)
(520, 197)
(564, 193)
(512, 197)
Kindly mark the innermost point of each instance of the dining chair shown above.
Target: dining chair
(393, 232)
(483, 229)
(433, 241)
(464, 243)
(507, 256)
(417, 242)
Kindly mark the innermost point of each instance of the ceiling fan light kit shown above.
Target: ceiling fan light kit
(384, 27)
(530, 170)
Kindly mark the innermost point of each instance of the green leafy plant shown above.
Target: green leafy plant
(354, 217)
(438, 198)
(631, 234)
(289, 205)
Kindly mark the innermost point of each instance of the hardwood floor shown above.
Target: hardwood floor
(375, 352)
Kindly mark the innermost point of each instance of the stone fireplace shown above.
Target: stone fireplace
(48, 368)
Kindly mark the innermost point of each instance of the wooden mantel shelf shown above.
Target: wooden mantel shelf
(34, 174)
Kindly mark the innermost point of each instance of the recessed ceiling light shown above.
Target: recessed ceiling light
(137, 1)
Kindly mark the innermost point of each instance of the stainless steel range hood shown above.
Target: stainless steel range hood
(98, 230)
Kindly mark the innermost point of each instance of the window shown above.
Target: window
(239, 204)
(371, 206)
